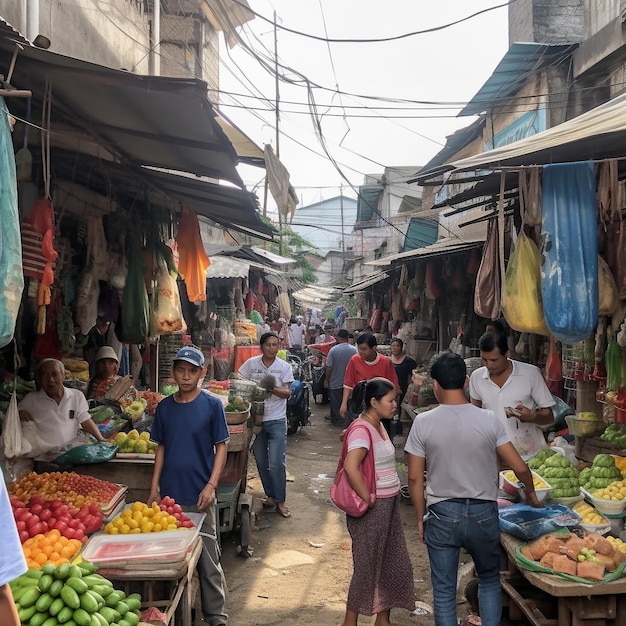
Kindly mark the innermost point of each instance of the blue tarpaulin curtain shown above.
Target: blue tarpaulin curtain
(569, 249)
(367, 203)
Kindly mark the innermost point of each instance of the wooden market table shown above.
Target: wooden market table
(586, 448)
(528, 593)
(172, 591)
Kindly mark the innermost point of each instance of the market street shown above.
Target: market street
(300, 570)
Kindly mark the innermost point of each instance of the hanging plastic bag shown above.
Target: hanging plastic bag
(487, 290)
(554, 370)
(11, 277)
(87, 302)
(607, 289)
(12, 441)
(135, 304)
(166, 315)
(193, 261)
(521, 298)
(569, 248)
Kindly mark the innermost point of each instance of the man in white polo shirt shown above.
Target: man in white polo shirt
(503, 384)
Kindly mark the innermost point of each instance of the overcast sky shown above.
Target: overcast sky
(447, 66)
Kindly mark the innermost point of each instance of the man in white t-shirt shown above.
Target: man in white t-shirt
(503, 384)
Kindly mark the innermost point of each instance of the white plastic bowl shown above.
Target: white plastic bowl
(612, 507)
(514, 488)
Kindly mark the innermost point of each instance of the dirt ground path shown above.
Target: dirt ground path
(300, 568)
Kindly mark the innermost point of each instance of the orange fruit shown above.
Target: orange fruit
(40, 558)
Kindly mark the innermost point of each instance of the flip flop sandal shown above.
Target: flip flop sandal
(284, 512)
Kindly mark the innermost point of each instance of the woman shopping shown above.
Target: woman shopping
(404, 366)
(383, 575)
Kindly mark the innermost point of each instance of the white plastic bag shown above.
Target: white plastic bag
(13, 443)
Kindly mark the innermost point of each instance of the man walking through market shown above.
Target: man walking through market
(516, 392)
(457, 508)
(336, 364)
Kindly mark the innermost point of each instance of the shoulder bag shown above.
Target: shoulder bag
(341, 493)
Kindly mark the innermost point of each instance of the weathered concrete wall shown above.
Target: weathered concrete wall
(117, 33)
(521, 22)
(598, 14)
(547, 21)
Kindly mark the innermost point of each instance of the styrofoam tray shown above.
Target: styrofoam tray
(115, 500)
(111, 550)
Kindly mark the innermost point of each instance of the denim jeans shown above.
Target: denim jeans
(269, 449)
(473, 525)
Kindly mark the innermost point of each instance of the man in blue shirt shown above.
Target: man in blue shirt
(336, 363)
(192, 436)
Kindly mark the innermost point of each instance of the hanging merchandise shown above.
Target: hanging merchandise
(487, 290)
(616, 254)
(284, 307)
(433, 285)
(521, 297)
(608, 300)
(193, 261)
(613, 361)
(569, 248)
(135, 304)
(108, 303)
(530, 196)
(166, 314)
(11, 278)
(554, 370)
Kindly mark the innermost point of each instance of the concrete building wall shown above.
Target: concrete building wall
(600, 13)
(547, 21)
(118, 34)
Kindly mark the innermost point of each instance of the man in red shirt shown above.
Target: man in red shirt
(365, 365)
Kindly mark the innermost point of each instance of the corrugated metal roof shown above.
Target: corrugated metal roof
(225, 267)
(364, 283)
(7, 31)
(520, 61)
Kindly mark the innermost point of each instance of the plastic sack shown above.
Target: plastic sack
(87, 296)
(11, 277)
(30, 437)
(487, 289)
(12, 441)
(88, 453)
(527, 522)
(521, 297)
(135, 304)
(560, 411)
(166, 315)
(608, 298)
(569, 249)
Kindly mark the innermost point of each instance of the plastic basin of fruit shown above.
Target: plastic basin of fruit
(612, 507)
(584, 428)
(515, 488)
(566, 501)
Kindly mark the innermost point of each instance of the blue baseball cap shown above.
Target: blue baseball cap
(191, 354)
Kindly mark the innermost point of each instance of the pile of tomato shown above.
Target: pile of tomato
(40, 515)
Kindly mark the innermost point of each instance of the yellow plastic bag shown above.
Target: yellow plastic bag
(521, 297)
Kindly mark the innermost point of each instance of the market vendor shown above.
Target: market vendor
(516, 392)
(106, 368)
(56, 411)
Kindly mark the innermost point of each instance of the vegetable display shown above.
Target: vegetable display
(74, 595)
(561, 474)
(602, 473)
(614, 434)
(135, 442)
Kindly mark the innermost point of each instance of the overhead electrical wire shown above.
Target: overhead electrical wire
(377, 40)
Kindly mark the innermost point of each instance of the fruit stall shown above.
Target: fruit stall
(95, 558)
(579, 560)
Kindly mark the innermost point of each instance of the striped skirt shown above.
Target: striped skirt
(383, 575)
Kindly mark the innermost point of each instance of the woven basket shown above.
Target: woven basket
(237, 417)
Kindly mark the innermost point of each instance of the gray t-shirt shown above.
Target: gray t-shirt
(459, 444)
(338, 357)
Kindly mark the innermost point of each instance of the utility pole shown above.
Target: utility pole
(343, 241)
(277, 110)
(156, 44)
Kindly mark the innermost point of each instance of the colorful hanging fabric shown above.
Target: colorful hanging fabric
(193, 262)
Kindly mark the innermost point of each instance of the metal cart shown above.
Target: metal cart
(234, 505)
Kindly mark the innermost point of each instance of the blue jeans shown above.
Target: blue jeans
(269, 449)
(471, 524)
